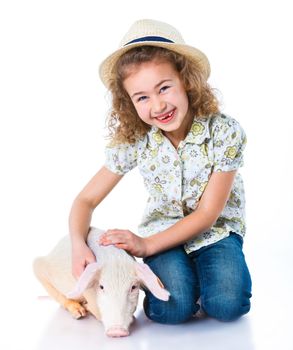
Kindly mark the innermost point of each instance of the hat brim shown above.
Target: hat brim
(193, 54)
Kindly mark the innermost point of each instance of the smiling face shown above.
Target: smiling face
(159, 97)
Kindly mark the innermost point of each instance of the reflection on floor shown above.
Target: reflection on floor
(60, 331)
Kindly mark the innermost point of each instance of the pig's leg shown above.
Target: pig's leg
(75, 308)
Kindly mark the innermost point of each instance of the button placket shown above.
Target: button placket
(179, 170)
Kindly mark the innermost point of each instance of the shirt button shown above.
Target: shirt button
(184, 156)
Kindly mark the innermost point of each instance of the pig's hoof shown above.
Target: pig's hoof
(117, 332)
(76, 310)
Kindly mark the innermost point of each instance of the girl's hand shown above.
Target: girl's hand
(125, 239)
(81, 257)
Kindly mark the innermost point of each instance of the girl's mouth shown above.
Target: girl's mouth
(166, 118)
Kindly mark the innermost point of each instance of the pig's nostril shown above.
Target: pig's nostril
(117, 332)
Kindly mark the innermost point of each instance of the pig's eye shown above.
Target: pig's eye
(133, 288)
(101, 287)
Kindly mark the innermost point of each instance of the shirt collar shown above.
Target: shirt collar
(197, 134)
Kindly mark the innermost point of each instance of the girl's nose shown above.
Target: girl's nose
(158, 105)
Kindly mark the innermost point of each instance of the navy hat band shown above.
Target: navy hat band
(150, 38)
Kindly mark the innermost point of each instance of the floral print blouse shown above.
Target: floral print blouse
(176, 178)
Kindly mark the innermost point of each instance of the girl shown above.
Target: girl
(165, 119)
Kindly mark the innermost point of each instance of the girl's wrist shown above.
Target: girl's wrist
(77, 240)
(150, 247)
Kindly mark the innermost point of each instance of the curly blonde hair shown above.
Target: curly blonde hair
(123, 122)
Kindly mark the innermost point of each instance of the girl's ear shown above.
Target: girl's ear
(151, 281)
(85, 281)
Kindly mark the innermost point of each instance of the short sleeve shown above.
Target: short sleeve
(229, 143)
(120, 158)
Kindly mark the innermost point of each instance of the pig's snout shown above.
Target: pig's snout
(117, 331)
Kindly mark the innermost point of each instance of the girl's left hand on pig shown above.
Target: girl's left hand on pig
(125, 239)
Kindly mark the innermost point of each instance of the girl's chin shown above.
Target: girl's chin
(168, 127)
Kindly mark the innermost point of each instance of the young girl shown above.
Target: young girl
(165, 119)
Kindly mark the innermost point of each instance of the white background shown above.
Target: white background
(52, 130)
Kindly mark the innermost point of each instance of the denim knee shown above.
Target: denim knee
(225, 280)
(178, 309)
(226, 308)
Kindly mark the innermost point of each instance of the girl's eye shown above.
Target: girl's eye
(164, 88)
(141, 98)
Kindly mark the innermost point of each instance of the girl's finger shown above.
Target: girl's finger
(115, 239)
(121, 246)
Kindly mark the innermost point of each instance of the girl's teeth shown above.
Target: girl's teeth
(167, 116)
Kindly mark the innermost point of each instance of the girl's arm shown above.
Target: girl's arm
(81, 213)
(210, 206)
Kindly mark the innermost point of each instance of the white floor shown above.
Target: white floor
(59, 331)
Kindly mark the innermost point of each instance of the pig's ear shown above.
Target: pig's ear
(151, 281)
(85, 281)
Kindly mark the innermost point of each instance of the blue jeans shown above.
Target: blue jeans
(217, 273)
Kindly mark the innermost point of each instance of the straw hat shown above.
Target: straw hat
(153, 33)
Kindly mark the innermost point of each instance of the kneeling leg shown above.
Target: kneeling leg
(225, 281)
(175, 270)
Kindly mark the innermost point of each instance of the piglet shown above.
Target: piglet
(108, 288)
